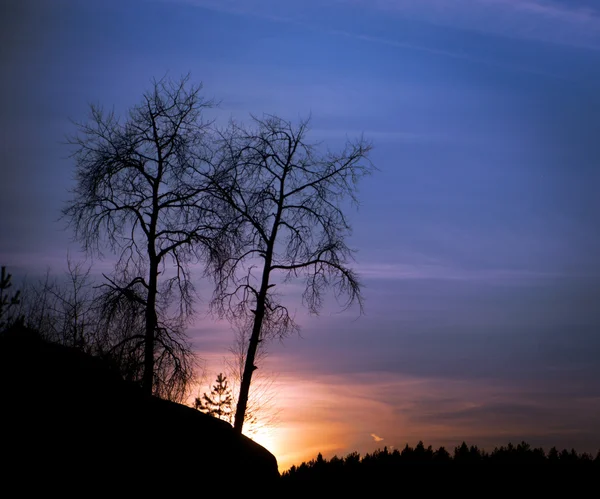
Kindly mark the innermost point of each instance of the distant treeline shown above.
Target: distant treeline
(383, 465)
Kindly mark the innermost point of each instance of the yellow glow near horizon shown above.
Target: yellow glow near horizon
(267, 437)
(308, 423)
(291, 445)
(331, 416)
(335, 415)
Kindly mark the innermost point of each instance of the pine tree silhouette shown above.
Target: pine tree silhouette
(219, 402)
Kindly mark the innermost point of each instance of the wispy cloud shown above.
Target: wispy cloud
(564, 11)
(453, 54)
(514, 19)
(549, 21)
(542, 20)
(380, 136)
(396, 271)
(266, 9)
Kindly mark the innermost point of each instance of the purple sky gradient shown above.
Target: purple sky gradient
(478, 237)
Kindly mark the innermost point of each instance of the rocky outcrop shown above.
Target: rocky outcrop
(68, 417)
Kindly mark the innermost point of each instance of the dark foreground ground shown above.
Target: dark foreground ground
(70, 423)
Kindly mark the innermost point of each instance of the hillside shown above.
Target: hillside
(69, 418)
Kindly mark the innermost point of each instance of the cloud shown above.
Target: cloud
(265, 9)
(397, 271)
(523, 20)
(379, 136)
(376, 438)
(542, 20)
(454, 54)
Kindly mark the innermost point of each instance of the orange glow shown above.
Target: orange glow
(337, 415)
(363, 412)
(267, 437)
(316, 416)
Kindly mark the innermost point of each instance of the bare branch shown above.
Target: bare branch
(289, 199)
(142, 194)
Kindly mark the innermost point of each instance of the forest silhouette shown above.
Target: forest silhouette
(511, 469)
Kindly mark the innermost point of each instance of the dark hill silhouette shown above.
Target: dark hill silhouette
(71, 419)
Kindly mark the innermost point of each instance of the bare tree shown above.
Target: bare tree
(135, 196)
(63, 310)
(72, 310)
(289, 196)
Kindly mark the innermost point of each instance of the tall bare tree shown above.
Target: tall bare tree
(289, 196)
(138, 195)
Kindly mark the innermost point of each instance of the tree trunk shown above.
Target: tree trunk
(154, 260)
(259, 315)
(151, 323)
(249, 367)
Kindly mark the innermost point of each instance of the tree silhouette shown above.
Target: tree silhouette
(64, 311)
(219, 402)
(8, 301)
(73, 312)
(288, 199)
(135, 196)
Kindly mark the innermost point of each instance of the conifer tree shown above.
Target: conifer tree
(219, 402)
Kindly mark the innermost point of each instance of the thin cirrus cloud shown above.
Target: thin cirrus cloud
(396, 271)
(570, 23)
(379, 136)
(564, 22)
(453, 54)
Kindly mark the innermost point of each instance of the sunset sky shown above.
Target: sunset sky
(478, 239)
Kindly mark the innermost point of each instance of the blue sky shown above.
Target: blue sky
(478, 237)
